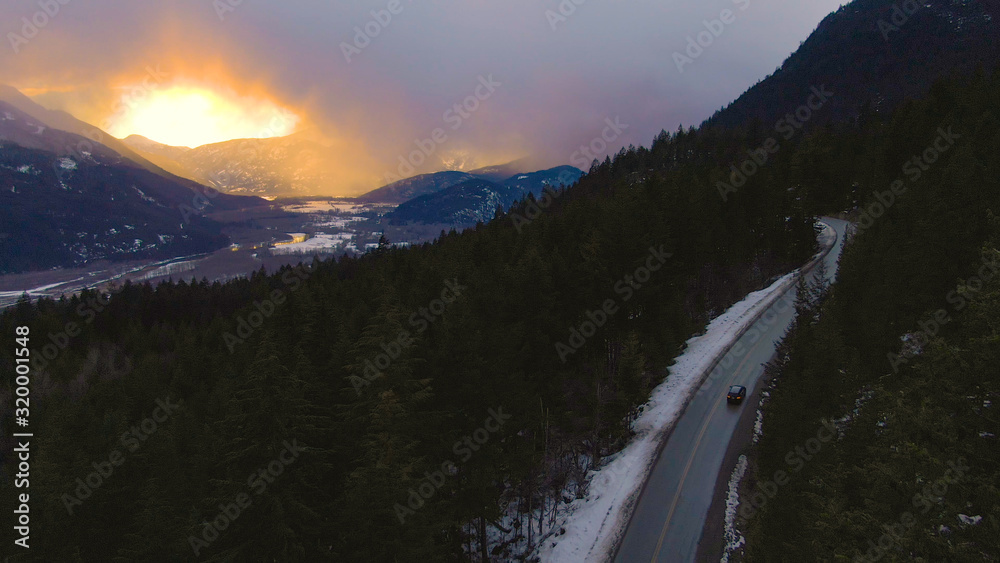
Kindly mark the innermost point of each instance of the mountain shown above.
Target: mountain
(469, 202)
(90, 139)
(160, 150)
(424, 184)
(66, 122)
(58, 210)
(873, 54)
(278, 166)
(330, 377)
(477, 200)
(427, 184)
(25, 130)
(501, 172)
(521, 185)
(295, 165)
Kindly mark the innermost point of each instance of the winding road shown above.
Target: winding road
(670, 515)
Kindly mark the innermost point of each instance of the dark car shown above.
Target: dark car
(736, 394)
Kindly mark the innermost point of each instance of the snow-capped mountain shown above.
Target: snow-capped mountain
(475, 200)
(66, 201)
(279, 166)
(409, 188)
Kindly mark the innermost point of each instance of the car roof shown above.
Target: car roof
(736, 388)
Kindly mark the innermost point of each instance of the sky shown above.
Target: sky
(401, 85)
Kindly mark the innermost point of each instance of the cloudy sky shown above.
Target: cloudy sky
(377, 75)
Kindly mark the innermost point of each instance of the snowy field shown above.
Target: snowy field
(320, 242)
(36, 292)
(168, 270)
(326, 206)
(334, 222)
(311, 207)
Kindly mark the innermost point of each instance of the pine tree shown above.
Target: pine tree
(261, 456)
(386, 414)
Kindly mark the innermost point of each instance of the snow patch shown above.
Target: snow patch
(594, 523)
(337, 222)
(758, 425)
(169, 270)
(969, 520)
(843, 422)
(320, 242)
(732, 536)
(143, 195)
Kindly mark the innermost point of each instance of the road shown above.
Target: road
(670, 515)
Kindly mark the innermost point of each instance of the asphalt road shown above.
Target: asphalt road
(670, 515)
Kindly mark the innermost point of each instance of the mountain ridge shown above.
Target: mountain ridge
(477, 200)
(873, 54)
(70, 210)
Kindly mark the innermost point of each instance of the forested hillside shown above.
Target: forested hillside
(902, 357)
(297, 415)
(395, 407)
(355, 384)
(876, 54)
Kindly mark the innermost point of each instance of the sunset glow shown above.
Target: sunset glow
(195, 116)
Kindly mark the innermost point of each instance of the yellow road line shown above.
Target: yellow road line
(697, 444)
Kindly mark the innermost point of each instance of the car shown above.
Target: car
(736, 394)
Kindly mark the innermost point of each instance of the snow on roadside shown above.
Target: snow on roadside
(969, 520)
(732, 536)
(594, 523)
(758, 425)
